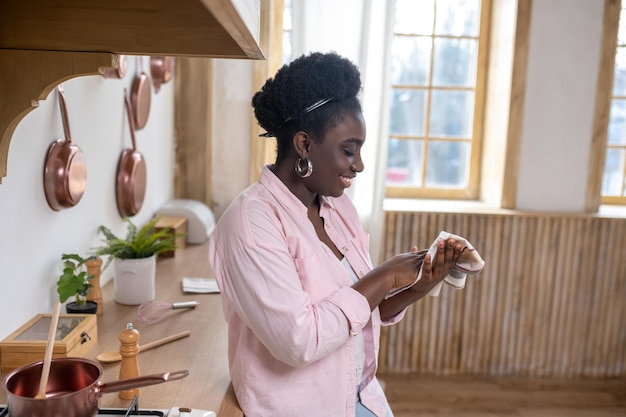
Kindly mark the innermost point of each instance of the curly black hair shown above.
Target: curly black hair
(280, 105)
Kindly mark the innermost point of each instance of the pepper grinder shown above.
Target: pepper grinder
(95, 294)
(129, 368)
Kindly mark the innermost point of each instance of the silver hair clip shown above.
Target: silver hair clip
(309, 109)
(316, 105)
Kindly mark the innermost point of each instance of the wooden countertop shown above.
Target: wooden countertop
(204, 353)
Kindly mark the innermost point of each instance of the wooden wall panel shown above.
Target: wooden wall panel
(551, 300)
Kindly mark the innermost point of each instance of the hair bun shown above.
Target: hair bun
(303, 82)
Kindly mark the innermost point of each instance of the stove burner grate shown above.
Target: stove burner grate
(4, 412)
(133, 410)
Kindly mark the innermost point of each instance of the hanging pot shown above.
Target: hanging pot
(161, 70)
(131, 180)
(65, 168)
(73, 390)
(140, 95)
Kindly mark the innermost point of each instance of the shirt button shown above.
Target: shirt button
(361, 273)
(327, 225)
(345, 249)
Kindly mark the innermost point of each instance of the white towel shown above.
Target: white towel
(200, 285)
(469, 262)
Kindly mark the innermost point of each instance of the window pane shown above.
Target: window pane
(617, 122)
(457, 17)
(404, 162)
(410, 63)
(451, 113)
(621, 34)
(286, 47)
(407, 112)
(455, 62)
(287, 15)
(613, 172)
(287, 26)
(415, 17)
(619, 77)
(447, 164)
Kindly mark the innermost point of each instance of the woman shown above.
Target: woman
(303, 303)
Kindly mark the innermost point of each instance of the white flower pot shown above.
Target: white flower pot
(134, 280)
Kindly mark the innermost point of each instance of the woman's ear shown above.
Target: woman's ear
(301, 143)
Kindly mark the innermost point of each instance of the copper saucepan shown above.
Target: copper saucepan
(141, 95)
(65, 169)
(73, 390)
(131, 180)
(161, 70)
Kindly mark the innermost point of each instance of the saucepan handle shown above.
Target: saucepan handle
(141, 381)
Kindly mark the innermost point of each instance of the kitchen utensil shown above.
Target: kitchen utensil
(74, 388)
(152, 312)
(115, 356)
(161, 70)
(47, 358)
(141, 94)
(131, 173)
(65, 168)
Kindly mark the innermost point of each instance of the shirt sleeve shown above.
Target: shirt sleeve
(257, 273)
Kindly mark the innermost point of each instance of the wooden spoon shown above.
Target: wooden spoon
(45, 370)
(110, 357)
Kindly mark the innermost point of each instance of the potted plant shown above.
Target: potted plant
(75, 282)
(134, 258)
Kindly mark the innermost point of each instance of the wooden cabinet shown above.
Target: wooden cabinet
(45, 42)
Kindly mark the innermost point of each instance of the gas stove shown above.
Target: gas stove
(134, 410)
(116, 412)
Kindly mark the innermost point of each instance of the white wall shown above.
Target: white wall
(563, 59)
(32, 236)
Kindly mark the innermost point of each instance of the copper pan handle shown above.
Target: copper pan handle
(141, 381)
(63, 106)
(131, 122)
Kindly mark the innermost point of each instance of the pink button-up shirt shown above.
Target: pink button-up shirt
(292, 314)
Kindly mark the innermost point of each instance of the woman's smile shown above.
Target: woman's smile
(347, 181)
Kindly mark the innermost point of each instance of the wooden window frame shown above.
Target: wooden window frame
(604, 96)
(471, 192)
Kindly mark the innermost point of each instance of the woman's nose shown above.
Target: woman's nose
(357, 165)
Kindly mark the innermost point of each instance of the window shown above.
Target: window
(614, 178)
(437, 71)
(287, 32)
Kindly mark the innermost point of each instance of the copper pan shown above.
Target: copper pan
(73, 390)
(140, 95)
(161, 70)
(131, 180)
(65, 168)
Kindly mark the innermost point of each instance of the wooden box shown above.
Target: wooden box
(76, 334)
(177, 225)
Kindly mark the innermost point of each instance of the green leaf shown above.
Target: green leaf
(73, 282)
(138, 243)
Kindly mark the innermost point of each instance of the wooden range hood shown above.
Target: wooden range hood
(45, 42)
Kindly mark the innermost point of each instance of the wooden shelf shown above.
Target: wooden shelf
(44, 42)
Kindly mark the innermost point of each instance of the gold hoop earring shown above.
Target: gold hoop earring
(304, 172)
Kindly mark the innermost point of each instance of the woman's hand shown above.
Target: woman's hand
(400, 271)
(434, 271)
(403, 268)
